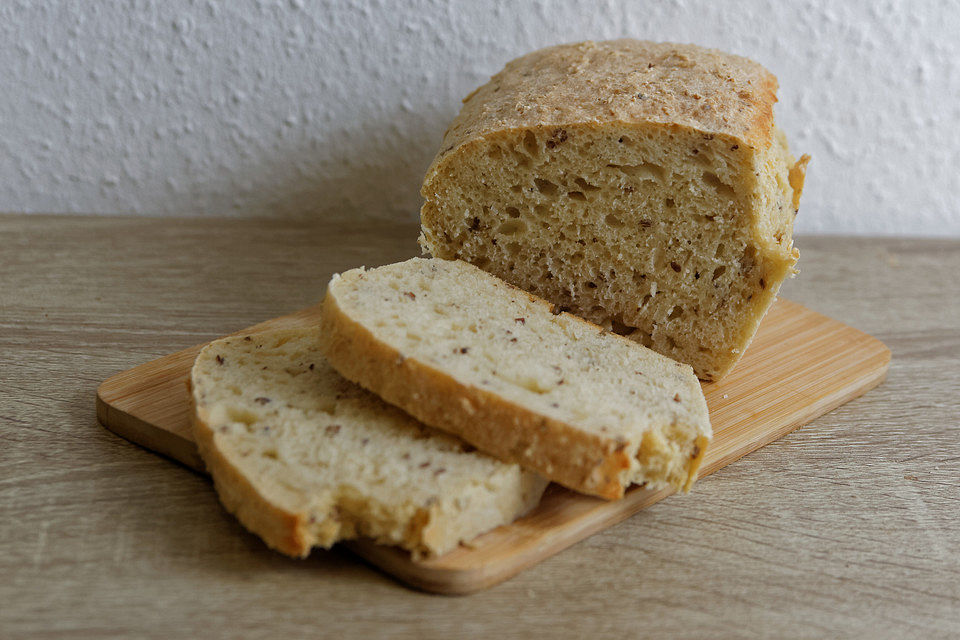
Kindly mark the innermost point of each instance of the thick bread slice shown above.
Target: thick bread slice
(468, 353)
(305, 458)
(641, 185)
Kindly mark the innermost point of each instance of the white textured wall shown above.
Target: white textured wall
(330, 107)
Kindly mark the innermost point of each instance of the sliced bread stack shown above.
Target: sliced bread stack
(514, 376)
(305, 458)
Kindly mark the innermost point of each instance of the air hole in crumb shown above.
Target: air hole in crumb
(513, 212)
(513, 248)
(516, 188)
(749, 259)
(722, 188)
(241, 415)
(623, 140)
(613, 220)
(676, 312)
(719, 251)
(328, 406)
(618, 327)
(646, 299)
(511, 227)
(719, 271)
(704, 159)
(546, 187)
(530, 144)
(585, 186)
(642, 171)
(532, 384)
(576, 195)
(669, 203)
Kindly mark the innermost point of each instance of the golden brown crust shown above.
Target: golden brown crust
(581, 461)
(302, 485)
(696, 460)
(626, 81)
(798, 174)
(526, 128)
(282, 530)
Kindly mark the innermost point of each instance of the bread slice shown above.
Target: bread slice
(642, 186)
(468, 353)
(305, 458)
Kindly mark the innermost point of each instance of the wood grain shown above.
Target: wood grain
(845, 528)
(800, 365)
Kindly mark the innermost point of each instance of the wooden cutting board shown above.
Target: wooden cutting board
(800, 365)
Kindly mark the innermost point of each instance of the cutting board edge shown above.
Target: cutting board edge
(452, 581)
(864, 385)
(133, 429)
(433, 575)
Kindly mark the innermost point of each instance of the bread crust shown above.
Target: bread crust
(280, 529)
(425, 525)
(667, 84)
(716, 103)
(582, 461)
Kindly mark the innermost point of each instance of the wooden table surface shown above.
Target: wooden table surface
(849, 527)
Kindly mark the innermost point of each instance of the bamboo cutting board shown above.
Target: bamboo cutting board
(800, 365)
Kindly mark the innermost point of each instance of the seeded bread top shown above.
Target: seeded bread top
(623, 81)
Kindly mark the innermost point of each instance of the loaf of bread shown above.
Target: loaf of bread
(642, 186)
(304, 458)
(464, 351)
